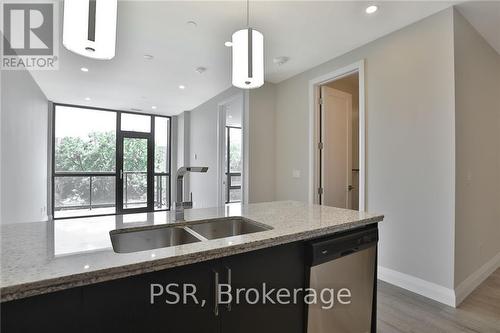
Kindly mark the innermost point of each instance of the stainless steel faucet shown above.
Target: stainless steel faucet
(179, 204)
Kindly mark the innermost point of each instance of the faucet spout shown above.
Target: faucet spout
(179, 204)
(183, 170)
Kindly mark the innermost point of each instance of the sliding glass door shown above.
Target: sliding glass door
(107, 162)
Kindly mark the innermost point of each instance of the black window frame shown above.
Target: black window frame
(119, 136)
(228, 172)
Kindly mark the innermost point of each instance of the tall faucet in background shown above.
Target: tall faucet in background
(179, 204)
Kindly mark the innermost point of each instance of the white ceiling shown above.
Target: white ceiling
(308, 32)
(485, 17)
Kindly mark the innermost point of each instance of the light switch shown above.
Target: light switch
(295, 173)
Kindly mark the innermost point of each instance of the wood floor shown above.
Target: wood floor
(402, 311)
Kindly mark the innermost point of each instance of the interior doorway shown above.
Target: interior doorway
(338, 139)
(339, 145)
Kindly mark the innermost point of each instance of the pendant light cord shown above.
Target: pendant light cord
(248, 13)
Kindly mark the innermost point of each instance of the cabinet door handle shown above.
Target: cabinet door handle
(216, 293)
(229, 283)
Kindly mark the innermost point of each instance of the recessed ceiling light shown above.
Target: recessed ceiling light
(200, 70)
(228, 44)
(87, 98)
(153, 107)
(182, 87)
(148, 57)
(281, 60)
(192, 24)
(230, 116)
(86, 267)
(371, 9)
(84, 69)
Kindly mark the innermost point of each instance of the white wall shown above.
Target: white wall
(182, 153)
(262, 153)
(24, 141)
(1, 168)
(203, 144)
(410, 143)
(477, 96)
(173, 157)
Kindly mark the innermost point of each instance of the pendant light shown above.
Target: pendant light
(89, 27)
(248, 57)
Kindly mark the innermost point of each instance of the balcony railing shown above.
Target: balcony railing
(128, 199)
(230, 186)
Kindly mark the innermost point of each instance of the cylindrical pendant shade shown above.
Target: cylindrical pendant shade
(248, 58)
(89, 27)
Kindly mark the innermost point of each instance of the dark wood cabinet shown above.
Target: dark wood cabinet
(278, 267)
(58, 312)
(124, 305)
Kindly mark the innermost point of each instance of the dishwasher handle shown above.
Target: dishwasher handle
(341, 245)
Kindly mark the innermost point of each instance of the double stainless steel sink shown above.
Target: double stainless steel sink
(125, 241)
(153, 237)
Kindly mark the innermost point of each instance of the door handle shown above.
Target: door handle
(229, 273)
(350, 188)
(216, 293)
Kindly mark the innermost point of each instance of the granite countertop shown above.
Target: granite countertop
(42, 257)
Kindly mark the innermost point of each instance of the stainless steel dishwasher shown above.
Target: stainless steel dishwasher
(347, 260)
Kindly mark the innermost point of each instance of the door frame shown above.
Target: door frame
(221, 146)
(314, 87)
(120, 136)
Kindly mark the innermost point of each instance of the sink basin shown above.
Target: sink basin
(227, 227)
(126, 241)
(154, 237)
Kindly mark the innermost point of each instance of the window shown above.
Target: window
(162, 163)
(84, 161)
(92, 160)
(135, 122)
(233, 164)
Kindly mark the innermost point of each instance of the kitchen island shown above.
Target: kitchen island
(65, 274)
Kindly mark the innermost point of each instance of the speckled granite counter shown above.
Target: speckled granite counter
(41, 257)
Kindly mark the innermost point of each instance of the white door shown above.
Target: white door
(336, 155)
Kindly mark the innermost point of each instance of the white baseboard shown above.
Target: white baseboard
(419, 286)
(475, 279)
